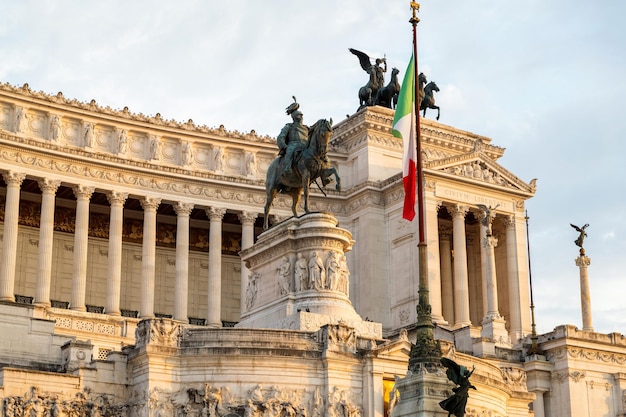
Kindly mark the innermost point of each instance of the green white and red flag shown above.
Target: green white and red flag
(404, 128)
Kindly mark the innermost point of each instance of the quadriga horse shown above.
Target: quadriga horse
(428, 102)
(308, 166)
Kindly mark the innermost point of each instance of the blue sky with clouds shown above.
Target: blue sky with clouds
(544, 79)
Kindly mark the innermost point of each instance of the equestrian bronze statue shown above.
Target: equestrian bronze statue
(302, 160)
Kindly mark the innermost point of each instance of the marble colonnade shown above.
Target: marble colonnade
(149, 204)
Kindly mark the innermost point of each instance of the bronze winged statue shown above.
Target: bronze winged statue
(368, 94)
(581, 237)
(460, 375)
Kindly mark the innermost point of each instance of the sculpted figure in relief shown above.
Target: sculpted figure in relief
(21, 120)
(251, 289)
(332, 271)
(88, 136)
(284, 275)
(155, 148)
(122, 142)
(316, 272)
(219, 159)
(250, 164)
(187, 153)
(301, 273)
(55, 128)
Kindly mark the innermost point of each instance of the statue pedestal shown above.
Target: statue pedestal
(299, 278)
(421, 392)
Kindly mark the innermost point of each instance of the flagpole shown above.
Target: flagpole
(426, 348)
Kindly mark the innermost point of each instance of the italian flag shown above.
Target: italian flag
(404, 128)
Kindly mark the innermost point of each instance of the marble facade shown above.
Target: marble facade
(136, 278)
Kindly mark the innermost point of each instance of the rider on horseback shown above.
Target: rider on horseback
(292, 137)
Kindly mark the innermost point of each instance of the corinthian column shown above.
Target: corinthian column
(215, 266)
(433, 262)
(583, 262)
(46, 230)
(116, 199)
(461, 285)
(181, 286)
(515, 310)
(447, 296)
(81, 239)
(247, 240)
(148, 255)
(9, 244)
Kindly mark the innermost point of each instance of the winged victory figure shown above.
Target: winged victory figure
(460, 375)
(368, 94)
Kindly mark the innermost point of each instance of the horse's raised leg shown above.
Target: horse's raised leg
(437, 107)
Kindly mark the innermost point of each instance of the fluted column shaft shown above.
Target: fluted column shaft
(116, 199)
(148, 255)
(81, 240)
(583, 262)
(489, 243)
(447, 289)
(433, 264)
(247, 240)
(9, 243)
(461, 285)
(515, 316)
(46, 231)
(181, 286)
(215, 267)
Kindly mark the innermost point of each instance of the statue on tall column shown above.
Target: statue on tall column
(581, 237)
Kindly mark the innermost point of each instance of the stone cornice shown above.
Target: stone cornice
(60, 102)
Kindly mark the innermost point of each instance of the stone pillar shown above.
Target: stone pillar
(583, 262)
(116, 199)
(247, 240)
(81, 239)
(515, 310)
(148, 255)
(215, 266)
(538, 407)
(181, 286)
(9, 242)
(433, 264)
(461, 285)
(489, 243)
(447, 288)
(46, 230)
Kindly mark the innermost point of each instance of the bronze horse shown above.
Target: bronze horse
(387, 93)
(307, 167)
(428, 102)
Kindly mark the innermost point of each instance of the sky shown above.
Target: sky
(543, 79)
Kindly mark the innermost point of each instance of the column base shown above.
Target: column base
(494, 330)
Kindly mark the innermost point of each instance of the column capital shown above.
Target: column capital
(247, 217)
(509, 221)
(48, 185)
(183, 209)
(583, 261)
(445, 232)
(150, 203)
(116, 197)
(13, 178)
(490, 241)
(215, 213)
(83, 191)
(457, 210)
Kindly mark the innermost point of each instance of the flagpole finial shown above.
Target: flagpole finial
(415, 7)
